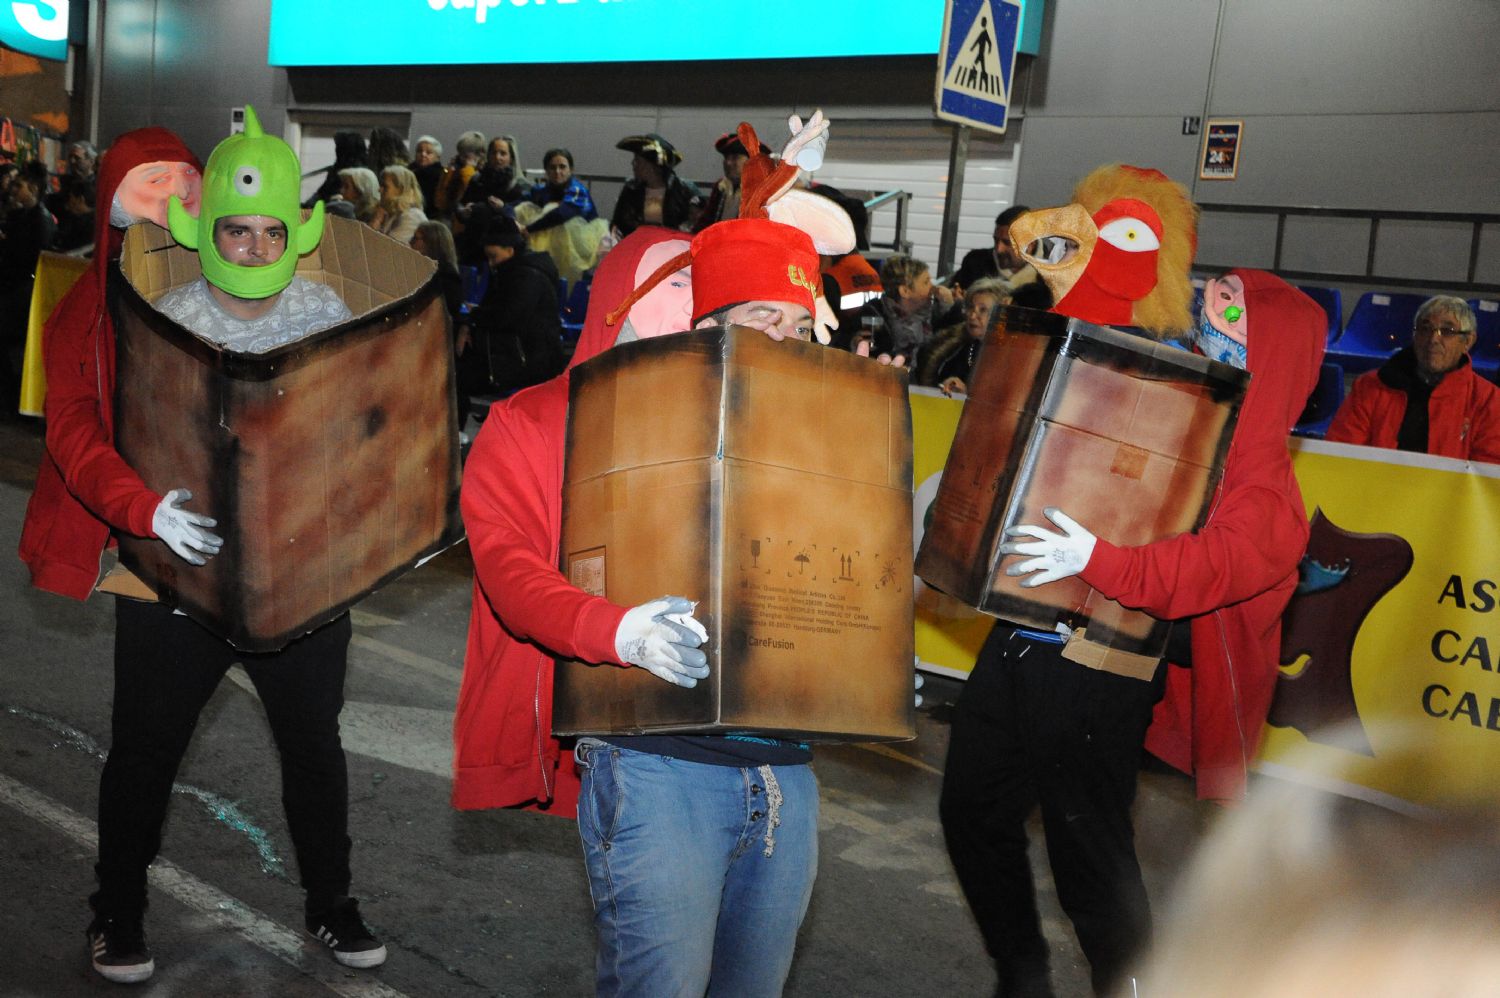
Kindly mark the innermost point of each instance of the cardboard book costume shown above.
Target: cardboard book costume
(335, 456)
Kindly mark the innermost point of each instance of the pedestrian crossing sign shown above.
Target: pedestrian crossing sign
(976, 62)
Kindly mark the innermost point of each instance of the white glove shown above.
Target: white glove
(1056, 556)
(184, 531)
(808, 142)
(663, 638)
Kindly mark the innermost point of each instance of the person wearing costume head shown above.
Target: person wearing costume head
(1033, 726)
(248, 231)
(655, 194)
(724, 199)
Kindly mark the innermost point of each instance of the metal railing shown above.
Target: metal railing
(1475, 221)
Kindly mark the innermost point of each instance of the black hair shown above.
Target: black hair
(559, 151)
(1010, 214)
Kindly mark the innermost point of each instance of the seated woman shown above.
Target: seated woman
(348, 150)
(400, 209)
(499, 182)
(560, 218)
(949, 358)
(467, 154)
(655, 195)
(360, 191)
(427, 166)
(434, 241)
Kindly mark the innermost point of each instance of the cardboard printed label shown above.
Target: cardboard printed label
(586, 571)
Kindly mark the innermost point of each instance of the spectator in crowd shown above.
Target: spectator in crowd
(75, 227)
(560, 218)
(468, 153)
(654, 195)
(427, 165)
(387, 148)
(724, 199)
(82, 160)
(910, 308)
(348, 151)
(8, 172)
(1001, 260)
(499, 183)
(360, 190)
(27, 230)
(1306, 892)
(400, 209)
(434, 241)
(1427, 397)
(514, 338)
(950, 355)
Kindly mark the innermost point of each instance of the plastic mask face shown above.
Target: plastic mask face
(1224, 306)
(250, 174)
(145, 190)
(668, 307)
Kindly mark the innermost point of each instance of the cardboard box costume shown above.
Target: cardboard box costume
(741, 483)
(332, 461)
(1129, 434)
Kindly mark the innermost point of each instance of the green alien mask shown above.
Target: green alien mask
(249, 174)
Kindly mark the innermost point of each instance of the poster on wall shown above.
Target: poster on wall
(1221, 149)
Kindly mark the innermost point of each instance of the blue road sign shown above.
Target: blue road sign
(976, 60)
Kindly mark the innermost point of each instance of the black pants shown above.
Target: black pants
(1032, 727)
(166, 668)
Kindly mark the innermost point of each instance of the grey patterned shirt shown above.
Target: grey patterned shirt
(304, 307)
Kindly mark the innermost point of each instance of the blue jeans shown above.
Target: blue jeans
(697, 889)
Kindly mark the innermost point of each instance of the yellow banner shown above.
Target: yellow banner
(949, 633)
(1387, 645)
(55, 275)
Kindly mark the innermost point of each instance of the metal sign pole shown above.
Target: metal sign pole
(958, 159)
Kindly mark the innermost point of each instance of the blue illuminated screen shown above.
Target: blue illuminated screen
(463, 32)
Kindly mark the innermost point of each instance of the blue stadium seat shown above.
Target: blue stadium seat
(1486, 352)
(1331, 300)
(1380, 325)
(575, 307)
(1322, 403)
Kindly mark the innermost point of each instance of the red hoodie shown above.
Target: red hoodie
(84, 489)
(525, 611)
(1236, 574)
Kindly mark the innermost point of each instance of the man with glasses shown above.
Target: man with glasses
(1427, 397)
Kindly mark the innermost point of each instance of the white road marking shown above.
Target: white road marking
(419, 738)
(450, 674)
(208, 901)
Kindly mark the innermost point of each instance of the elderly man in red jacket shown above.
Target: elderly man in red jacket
(1427, 398)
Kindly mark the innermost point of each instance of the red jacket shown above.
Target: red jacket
(1463, 412)
(1235, 576)
(525, 611)
(84, 489)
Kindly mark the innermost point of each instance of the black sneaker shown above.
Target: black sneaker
(118, 946)
(342, 930)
